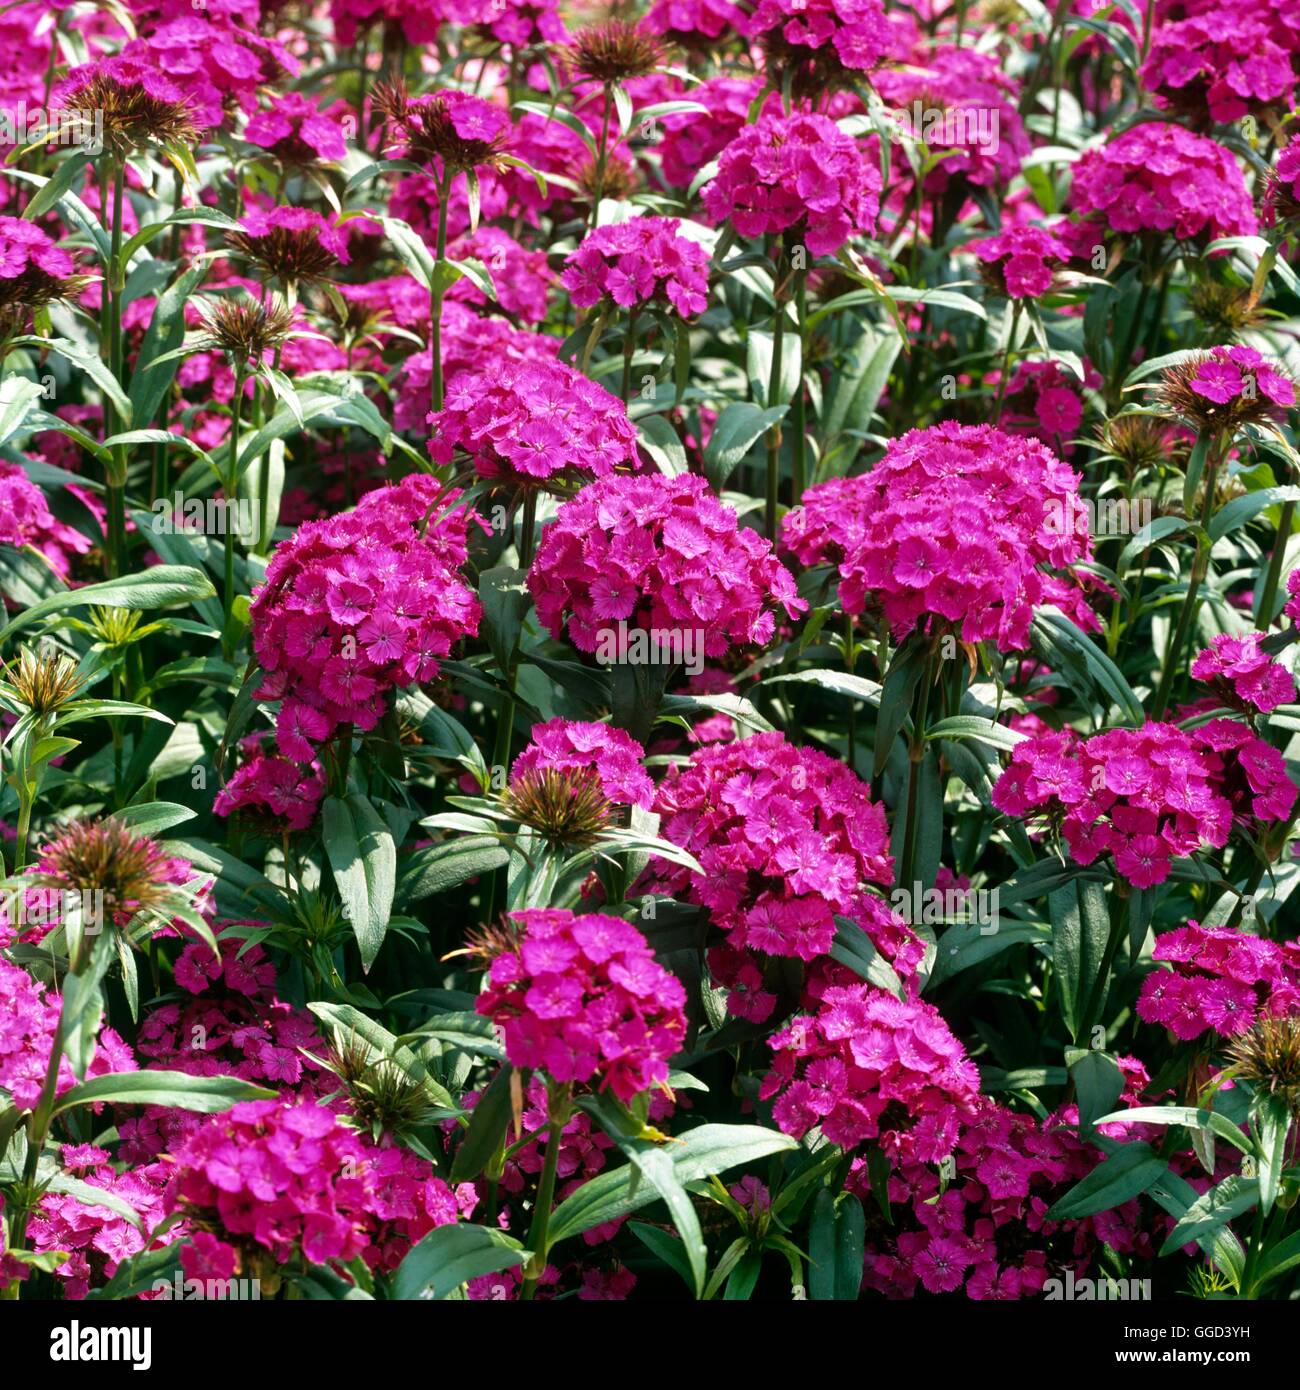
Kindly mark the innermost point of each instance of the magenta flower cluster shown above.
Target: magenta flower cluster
(358, 605)
(29, 1018)
(24, 246)
(96, 1239)
(797, 172)
(569, 745)
(1145, 796)
(1227, 374)
(1161, 178)
(788, 838)
(984, 1229)
(659, 553)
(531, 421)
(960, 524)
(856, 29)
(636, 263)
(296, 131)
(1222, 979)
(869, 1066)
(1024, 259)
(26, 519)
(294, 1180)
(1243, 674)
(274, 787)
(829, 523)
(583, 999)
(1223, 63)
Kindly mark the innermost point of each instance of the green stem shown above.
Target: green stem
(797, 408)
(1187, 613)
(1006, 361)
(528, 528)
(629, 350)
(436, 292)
(1274, 575)
(915, 759)
(116, 479)
(231, 488)
(537, 1234)
(773, 393)
(264, 527)
(602, 156)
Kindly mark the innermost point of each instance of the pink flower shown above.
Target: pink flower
(375, 565)
(1242, 674)
(959, 523)
(1158, 177)
(796, 171)
(691, 566)
(532, 421)
(582, 998)
(638, 262)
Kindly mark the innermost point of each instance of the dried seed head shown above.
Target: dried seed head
(109, 857)
(565, 807)
(1139, 442)
(245, 328)
(451, 129)
(1225, 310)
(285, 253)
(381, 1095)
(133, 119)
(1268, 1056)
(614, 52)
(44, 680)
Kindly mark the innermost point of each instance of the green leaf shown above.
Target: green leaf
(206, 1095)
(1098, 1082)
(854, 948)
(362, 855)
(836, 1238)
(435, 869)
(503, 592)
(486, 1132)
(973, 726)
(1186, 1115)
(838, 682)
(448, 1256)
(1283, 1256)
(666, 1247)
(739, 427)
(1079, 656)
(1274, 1130)
(1241, 509)
(661, 441)
(1080, 930)
(1212, 1210)
(151, 380)
(905, 673)
(151, 588)
(1118, 1179)
(700, 1153)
